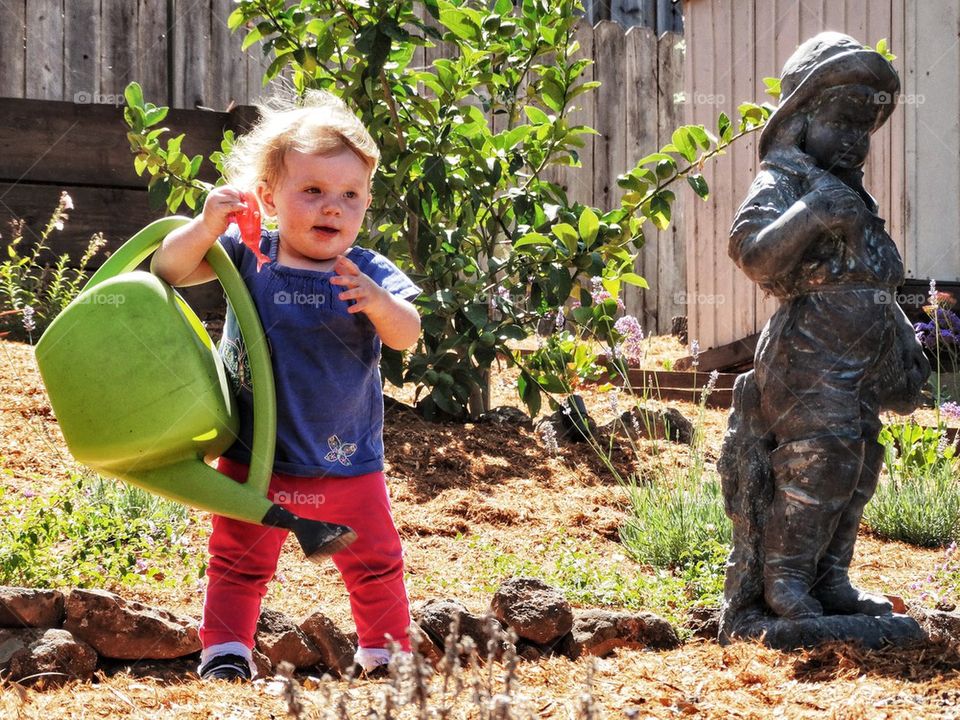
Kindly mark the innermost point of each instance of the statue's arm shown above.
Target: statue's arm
(775, 225)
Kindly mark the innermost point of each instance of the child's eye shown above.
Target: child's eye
(350, 194)
(313, 190)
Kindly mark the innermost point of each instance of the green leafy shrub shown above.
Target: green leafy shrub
(94, 533)
(466, 210)
(918, 501)
(35, 285)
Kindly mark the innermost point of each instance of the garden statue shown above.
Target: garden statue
(801, 457)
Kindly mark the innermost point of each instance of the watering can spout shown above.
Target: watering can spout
(195, 483)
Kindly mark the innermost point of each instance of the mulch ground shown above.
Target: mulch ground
(461, 490)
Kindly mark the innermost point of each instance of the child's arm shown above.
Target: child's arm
(396, 320)
(179, 260)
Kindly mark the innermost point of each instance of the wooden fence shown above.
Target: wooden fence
(67, 64)
(914, 164)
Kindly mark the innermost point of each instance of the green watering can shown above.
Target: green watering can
(141, 394)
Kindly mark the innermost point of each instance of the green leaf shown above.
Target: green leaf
(133, 94)
(699, 185)
(536, 115)
(458, 22)
(589, 226)
(634, 279)
(567, 235)
(532, 238)
(154, 115)
(883, 49)
(772, 87)
(250, 38)
(684, 143)
(529, 393)
(725, 128)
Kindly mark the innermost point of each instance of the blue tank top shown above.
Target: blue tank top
(326, 362)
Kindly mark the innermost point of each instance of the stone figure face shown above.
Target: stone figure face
(838, 131)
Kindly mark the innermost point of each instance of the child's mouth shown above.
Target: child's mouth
(325, 229)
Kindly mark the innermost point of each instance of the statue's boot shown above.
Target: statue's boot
(814, 481)
(833, 588)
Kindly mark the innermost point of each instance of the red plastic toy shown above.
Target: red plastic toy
(248, 221)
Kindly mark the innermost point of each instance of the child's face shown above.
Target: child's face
(319, 203)
(838, 134)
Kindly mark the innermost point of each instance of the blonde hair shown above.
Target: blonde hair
(319, 124)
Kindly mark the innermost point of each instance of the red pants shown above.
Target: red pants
(243, 558)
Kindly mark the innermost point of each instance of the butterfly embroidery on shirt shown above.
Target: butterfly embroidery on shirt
(339, 451)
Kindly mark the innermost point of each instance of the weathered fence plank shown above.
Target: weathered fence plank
(13, 39)
(81, 52)
(153, 71)
(229, 81)
(642, 120)
(119, 48)
(672, 264)
(609, 145)
(44, 58)
(190, 35)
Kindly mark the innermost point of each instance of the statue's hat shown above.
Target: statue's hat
(828, 60)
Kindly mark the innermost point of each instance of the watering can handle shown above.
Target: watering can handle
(143, 244)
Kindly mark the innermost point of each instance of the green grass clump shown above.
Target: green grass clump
(922, 510)
(95, 533)
(673, 521)
(589, 578)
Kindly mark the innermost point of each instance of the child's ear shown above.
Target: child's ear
(265, 196)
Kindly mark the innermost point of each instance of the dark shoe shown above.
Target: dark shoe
(226, 667)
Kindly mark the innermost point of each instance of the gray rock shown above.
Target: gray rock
(279, 638)
(336, 649)
(533, 609)
(45, 656)
(424, 645)
(127, 630)
(571, 423)
(435, 618)
(653, 423)
(704, 622)
(263, 664)
(28, 607)
(940, 626)
(599, 632)
(506, 414)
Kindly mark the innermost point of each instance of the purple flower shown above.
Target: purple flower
(951, 409)
(631, 346)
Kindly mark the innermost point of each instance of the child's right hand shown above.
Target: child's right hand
(221, 202)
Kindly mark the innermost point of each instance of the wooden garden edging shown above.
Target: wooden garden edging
(683, 386)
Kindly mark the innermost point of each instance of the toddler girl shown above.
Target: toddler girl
(326, 306)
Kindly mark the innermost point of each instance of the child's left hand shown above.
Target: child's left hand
(367, 296)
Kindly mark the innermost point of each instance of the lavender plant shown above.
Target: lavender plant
(918, 500)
